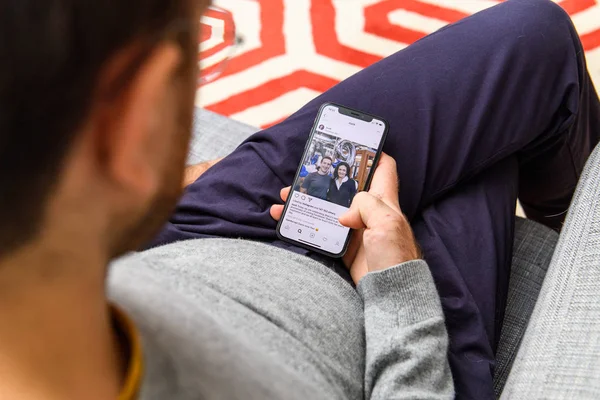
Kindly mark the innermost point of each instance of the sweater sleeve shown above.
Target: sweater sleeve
(406, 338)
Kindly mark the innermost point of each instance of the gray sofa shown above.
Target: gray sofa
(550, 342)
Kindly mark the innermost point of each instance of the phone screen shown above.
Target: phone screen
(339, 159)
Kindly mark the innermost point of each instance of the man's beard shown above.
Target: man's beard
(138, 235)
(162, 207)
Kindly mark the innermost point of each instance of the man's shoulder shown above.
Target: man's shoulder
(310, 177)
(197, 266)
(192, 299)
(181, 334)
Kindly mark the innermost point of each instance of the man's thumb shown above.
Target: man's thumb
(352, 218)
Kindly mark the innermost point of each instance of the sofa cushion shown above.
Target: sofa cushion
(215, 136)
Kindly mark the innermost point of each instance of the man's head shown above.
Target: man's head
(96, 102)
(325, 165)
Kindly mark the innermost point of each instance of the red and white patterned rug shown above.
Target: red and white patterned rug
(289, 51)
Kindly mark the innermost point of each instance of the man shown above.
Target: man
(106, 132)
(317, 183)
(101, 95)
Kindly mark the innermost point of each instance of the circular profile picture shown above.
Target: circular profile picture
(321, 127)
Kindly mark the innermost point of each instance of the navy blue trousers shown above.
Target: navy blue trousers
(494, 107)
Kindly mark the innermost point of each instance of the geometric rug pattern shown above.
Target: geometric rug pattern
(266, 58)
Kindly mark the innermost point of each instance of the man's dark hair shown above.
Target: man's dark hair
(337, 168)
(51, 55)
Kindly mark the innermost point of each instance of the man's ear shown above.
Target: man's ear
(125, 128)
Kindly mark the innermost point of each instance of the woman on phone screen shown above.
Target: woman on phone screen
(342, 188)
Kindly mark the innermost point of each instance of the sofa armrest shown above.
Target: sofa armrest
(559, 356)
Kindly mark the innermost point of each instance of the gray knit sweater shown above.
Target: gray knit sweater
(232, 319)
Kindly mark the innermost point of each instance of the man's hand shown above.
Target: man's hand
(383, 237)
(193, 172)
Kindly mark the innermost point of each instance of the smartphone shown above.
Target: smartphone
(339, 160)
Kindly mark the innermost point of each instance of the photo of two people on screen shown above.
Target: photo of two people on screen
(335, 169)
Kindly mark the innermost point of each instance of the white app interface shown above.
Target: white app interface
(335, 167)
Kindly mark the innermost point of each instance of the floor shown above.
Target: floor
(263, 59)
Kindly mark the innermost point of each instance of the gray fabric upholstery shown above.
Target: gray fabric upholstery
(215, 136)
(559, 356)
(533, 248)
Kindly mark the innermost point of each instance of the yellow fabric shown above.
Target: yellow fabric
(135, 365)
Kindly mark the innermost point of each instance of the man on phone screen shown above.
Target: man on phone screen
(317, 183)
